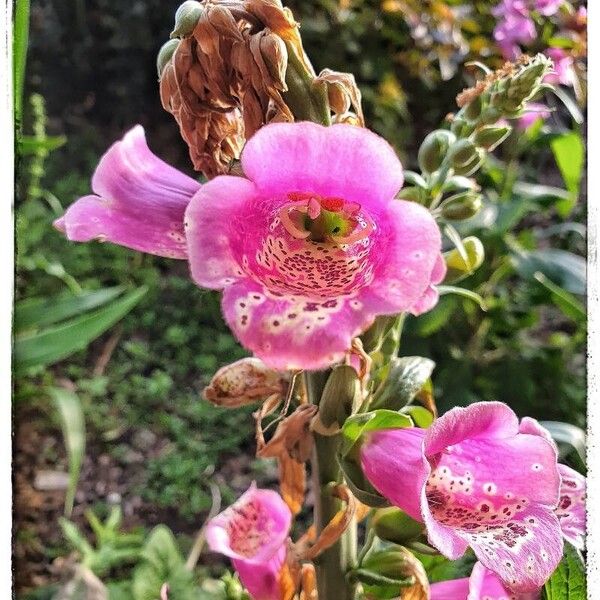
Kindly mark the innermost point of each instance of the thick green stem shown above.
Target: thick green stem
(333, 563)
(306, 99)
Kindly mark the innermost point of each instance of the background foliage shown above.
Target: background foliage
(152, 445)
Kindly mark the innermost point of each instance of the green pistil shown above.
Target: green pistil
(327, 225)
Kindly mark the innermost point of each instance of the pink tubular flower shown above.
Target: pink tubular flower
(139, 203)
(571, 506)
(253, 532)
(563, 72)
(482, 584)
(476, 478)
(309, 247)
(312, 245)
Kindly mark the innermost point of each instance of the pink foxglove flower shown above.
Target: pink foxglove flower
(253, 532)
(571, 506)
(309, 247)
(312, 245)
(563, 71)
(482, 584)
(138, 202)
(548, 7)
(512, 30)
(476, 478)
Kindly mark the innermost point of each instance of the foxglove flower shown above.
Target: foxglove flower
(309, 248)
(563, 72)
(548, 7)
(312, 245)
(253, 532)
(138, 202)
(571, 506)
(512, 30)
(476, 478)
(483, 584)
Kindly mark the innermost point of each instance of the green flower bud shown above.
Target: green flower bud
(394, 525)
(412, 194)
(186, 18)
(164, 55)
(491, 137)
(434, 148)
(489, 116)
(472, 110)
(463, 205)
(461, 265)
(340, 399)
(465, 157)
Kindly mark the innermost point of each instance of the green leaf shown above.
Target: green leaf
(569, 103)
(358, 425)
(569, 305)
(73, 428)
(568, 581)
(34, 313)
(569, 153)
(407, 375)
(162, 562)
(420, 416)
(20, 43)
(29, 144)
(452, 289)
(563, 268)
(51, 345)
(543, 194)
(565, 433)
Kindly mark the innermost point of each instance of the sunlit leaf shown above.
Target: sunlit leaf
(568, 581)
(73, 427)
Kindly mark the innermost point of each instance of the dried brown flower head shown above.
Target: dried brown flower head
(229, 75)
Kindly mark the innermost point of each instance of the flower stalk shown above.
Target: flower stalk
(334, 563)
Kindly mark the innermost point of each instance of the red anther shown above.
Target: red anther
(332, 204)
(300, 196)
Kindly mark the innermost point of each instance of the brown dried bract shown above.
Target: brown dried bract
(335, 528)
(244, 382)
(291, 445)
(419, 590)
(343, 94)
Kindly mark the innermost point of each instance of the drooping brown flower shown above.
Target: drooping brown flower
(238, 65)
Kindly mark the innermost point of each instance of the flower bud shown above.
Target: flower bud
(472, 110)
(412, 194)
(164, 55)
(186, 18)
(461, 265)
(394, 525)
(491, 137)
(465, 157)
(340, 399)
(461, 206)
(434, 148)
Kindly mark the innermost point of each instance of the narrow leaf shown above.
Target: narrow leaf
(54, 344)
(35, 313)
(451, 289)
(73, 428)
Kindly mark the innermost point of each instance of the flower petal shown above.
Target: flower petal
(341, 161)
(213, 222)
(253, 529)
(484, 583)
(140, 201)
(409, 258)
(392, 460)
(293, 332)
(455, 589)
(263, 581)
(525, 553)
(571, 506)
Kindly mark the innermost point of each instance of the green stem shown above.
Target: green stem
(306, 99)
(332, 564)
(20, 42)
